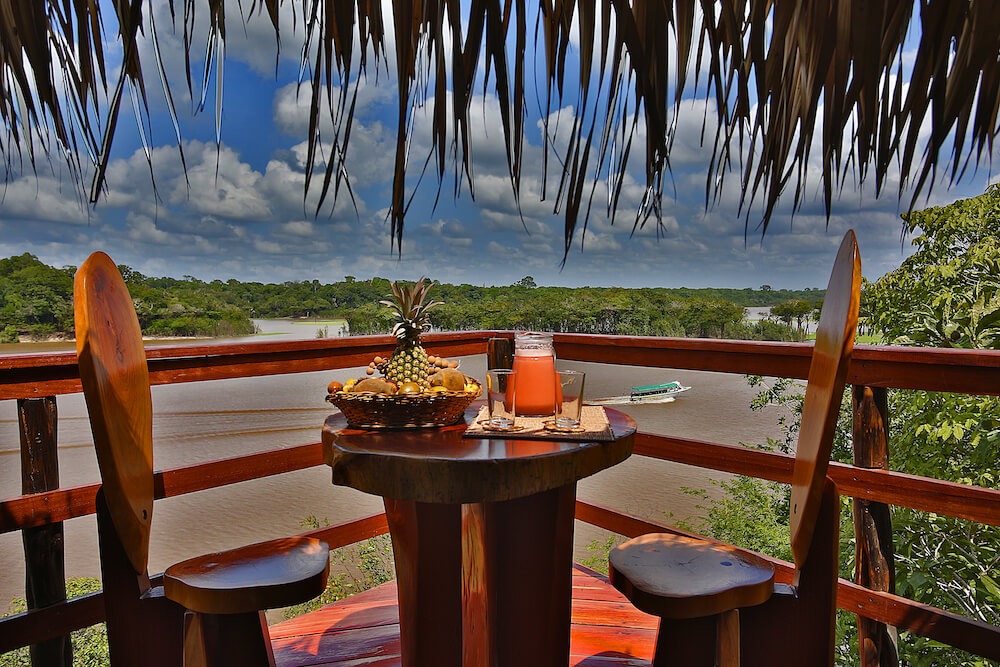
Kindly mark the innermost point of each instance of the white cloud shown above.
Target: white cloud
(144, 230)
(44, 198)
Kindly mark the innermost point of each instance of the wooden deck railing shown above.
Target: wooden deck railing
(873, 370)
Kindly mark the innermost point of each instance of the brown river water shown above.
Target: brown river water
(204, 421)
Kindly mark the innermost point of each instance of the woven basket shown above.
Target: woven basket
(368, 410)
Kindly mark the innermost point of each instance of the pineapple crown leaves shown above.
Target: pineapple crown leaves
(410, 305)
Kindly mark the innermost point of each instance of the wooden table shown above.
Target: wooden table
(482, 533)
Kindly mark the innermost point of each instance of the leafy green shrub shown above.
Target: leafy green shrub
(90, 645)
(353, 569)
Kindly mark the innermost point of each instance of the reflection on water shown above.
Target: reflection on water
(196, 422)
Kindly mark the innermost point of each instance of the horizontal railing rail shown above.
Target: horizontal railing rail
(892, 488)
(38, 625)
(961, 371)
(951, 370)
(937, 624)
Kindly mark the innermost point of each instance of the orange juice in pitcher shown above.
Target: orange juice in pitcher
(535, 363)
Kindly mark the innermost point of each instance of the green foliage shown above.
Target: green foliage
(947, 294)
(703, 318)
(34, 298)
(90, 645)
(353, 569)
(753, 514)
(797, 310)
(940, 561)
(37, 300)
(599, 551)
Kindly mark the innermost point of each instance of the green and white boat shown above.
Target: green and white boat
(664, 392)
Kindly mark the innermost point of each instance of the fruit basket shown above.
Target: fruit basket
(371, 410)
(410, 389)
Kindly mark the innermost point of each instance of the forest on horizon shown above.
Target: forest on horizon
(36, 302)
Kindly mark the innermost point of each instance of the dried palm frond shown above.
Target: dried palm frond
(784, 79)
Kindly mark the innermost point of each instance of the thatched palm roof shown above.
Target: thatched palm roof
(784, 79)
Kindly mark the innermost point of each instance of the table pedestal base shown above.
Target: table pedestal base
(485, 584)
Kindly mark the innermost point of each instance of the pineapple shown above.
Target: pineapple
(409, 360)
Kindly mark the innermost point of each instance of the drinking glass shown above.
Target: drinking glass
(501, 385)
(569, 398)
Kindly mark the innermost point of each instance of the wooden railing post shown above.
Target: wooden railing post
(874, 566)
(44, 563)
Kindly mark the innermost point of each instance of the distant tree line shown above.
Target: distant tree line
(36, 300)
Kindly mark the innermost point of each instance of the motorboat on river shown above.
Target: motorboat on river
(665, 392)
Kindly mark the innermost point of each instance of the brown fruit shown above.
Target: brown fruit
(375, 385)
(334, 387)
(409, 388)
(451, 379)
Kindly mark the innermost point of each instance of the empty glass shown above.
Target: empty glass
(501, 388)
(569, 398)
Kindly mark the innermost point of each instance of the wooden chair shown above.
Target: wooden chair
(717, 603)
(208, 611)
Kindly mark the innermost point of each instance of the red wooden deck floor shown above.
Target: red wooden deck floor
(364, 630)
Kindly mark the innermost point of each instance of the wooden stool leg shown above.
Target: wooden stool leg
(727, 645)
(219, 640)
(689, 642)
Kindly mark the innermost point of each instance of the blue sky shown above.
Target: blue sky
(244, 217)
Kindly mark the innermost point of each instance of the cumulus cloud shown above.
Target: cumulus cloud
(241, 211)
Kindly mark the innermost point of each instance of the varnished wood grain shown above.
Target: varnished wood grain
(824, 390)
(954, 370)
(482, 532)
(426, 546)
(440, 465)
(946, 627)
(874, 564)
(266, 575)
(600, 613)
(966, 502)
(113, 370)
(606, 630)
(224, 588)
(694, 584)
(796, 624)
(893, 488)
(44, 559)
(675, 576)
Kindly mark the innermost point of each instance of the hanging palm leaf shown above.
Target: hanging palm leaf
(784, 79)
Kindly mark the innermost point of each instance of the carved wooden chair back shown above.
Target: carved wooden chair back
(824, 391)
(116, 382)
(209, 610)
(719, 604)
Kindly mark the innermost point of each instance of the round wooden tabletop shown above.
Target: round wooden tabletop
(440, 465)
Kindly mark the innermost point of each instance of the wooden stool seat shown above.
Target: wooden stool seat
(266, 575)
(672, 576)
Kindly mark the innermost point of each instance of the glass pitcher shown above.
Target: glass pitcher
(535, 363)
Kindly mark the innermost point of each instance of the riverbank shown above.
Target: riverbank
(288, 329)
(202, 421)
